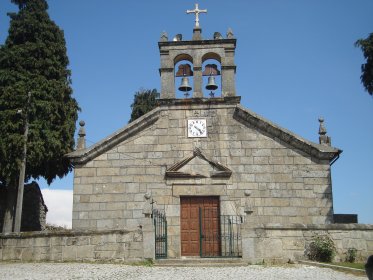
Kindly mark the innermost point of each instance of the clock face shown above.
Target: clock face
(197, 128)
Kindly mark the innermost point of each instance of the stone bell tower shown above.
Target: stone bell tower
(196, 52)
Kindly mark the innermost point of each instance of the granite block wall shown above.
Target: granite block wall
(286, 184)
(291, 242)
(111, 246)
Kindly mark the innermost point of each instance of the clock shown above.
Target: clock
(197, 128)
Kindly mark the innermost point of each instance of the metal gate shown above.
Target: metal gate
(220, 235)
(160, 232)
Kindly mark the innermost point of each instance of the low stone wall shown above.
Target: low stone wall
(279, 243)
(113, 246)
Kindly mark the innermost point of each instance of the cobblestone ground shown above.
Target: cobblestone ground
(42, 271)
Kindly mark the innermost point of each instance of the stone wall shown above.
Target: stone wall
(34, 210)
(345, 218)
(278, 243)
(71, 246)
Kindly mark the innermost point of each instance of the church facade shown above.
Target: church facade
(200, 176)
(216, 170)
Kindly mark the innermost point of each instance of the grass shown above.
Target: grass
(344, 267)
(352, 265)
(147, 262)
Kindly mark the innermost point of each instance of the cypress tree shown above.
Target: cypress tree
(143, 102)
(34, 60)
(366, 77)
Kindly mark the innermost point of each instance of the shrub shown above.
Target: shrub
(351, 255)
(51, 227)
(321, 249)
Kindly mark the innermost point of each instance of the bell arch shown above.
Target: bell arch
(211, 75)
(181, 57)
(211, 55)
(183, 75)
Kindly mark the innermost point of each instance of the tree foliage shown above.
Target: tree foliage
(143, 102)
(33, 59)
(366, 77)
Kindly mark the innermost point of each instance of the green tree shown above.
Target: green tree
(34, 60)
(366, 77)
(144, 101)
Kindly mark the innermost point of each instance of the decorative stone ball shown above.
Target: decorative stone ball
(147, 195)
(247, 192)
(82, 123)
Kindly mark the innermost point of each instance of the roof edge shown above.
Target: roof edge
(83, 156)
(322, 152)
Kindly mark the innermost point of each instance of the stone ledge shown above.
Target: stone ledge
(227, 100)
(220, 42)
(318, 151)
(79, 157)
(315, 227)
(67, 233)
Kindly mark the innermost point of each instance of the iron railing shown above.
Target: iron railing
(160, 232)
(220, 235)
(231, 238)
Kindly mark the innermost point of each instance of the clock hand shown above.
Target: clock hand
(200, 131)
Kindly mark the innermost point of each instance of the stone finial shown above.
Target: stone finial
(81, 138)
(323, 138)
(178, 37)
(148, 195)
(147, 208)
(164, 37)
(217, 36)
(230, 34)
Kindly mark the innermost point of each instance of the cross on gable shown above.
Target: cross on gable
(196, 11)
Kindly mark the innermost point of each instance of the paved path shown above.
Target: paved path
(57, 271)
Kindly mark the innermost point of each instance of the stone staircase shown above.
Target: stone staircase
(201, 262)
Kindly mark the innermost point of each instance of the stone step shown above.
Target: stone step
(201, 262)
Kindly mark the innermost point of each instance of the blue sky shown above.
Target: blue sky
(295, 60)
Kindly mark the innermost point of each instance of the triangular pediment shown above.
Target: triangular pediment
(197, 165)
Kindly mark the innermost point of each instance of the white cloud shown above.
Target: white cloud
(60, 205)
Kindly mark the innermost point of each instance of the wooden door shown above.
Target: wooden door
(197, 212)
(210, 233)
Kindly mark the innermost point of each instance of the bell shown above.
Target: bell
(185, 85)
(211, 84)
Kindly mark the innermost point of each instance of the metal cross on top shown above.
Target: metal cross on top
(196, 11)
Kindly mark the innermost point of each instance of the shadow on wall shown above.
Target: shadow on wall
(2, 205)
(34, 209)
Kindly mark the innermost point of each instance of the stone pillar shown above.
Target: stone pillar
(166, 71)
(228, 81)
(197, 78)
(323, 138)
(167, 83)
(248, 241)
(81, 139)
(148, 228)
(197, 34)
(148, 238)
(228, 72)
